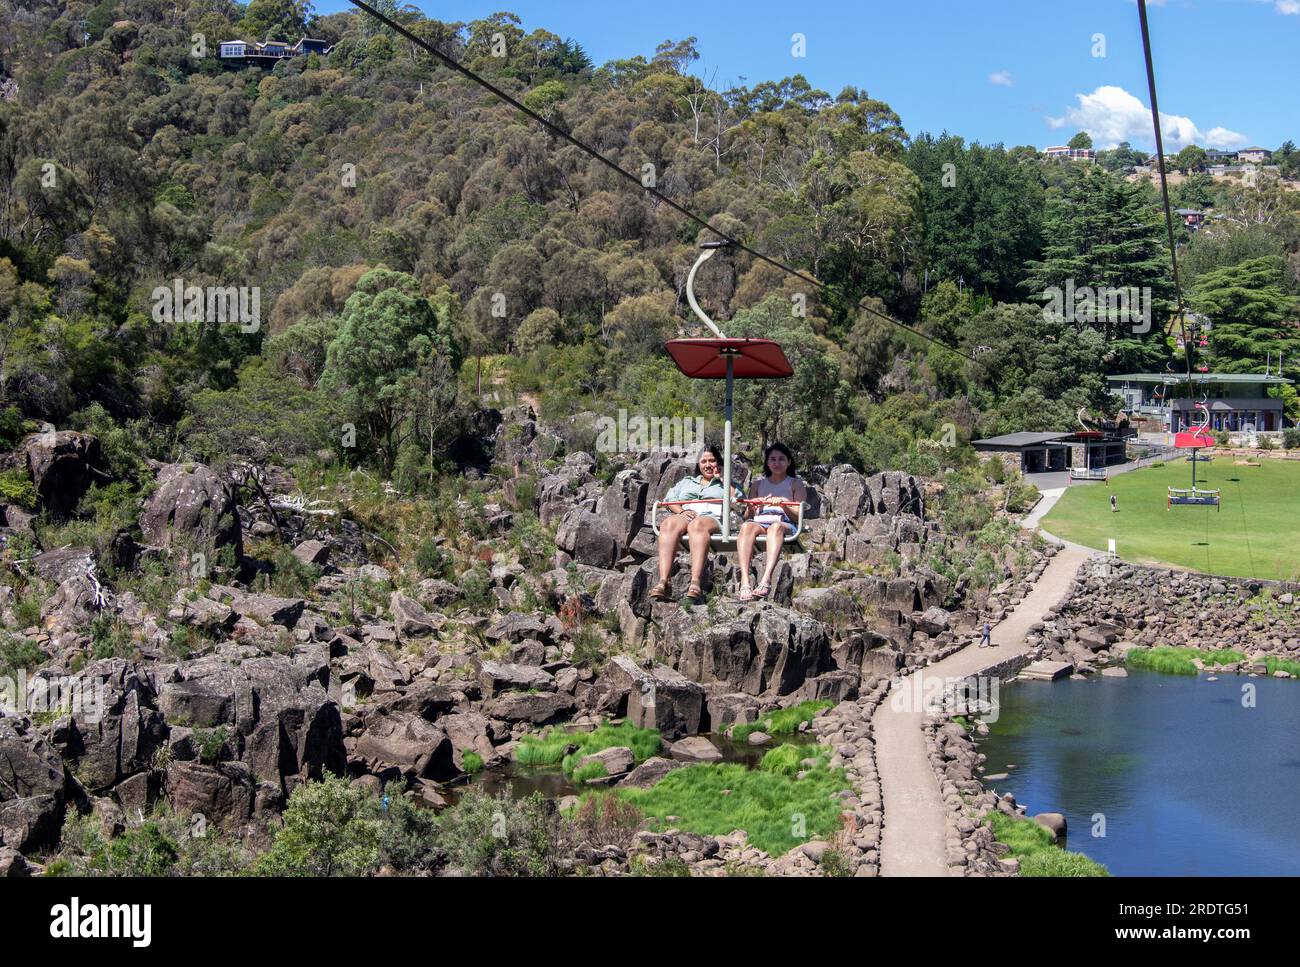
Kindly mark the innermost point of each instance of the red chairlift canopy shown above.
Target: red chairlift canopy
(707, 358)
(1192, 440)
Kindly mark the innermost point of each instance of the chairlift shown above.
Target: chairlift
(1196, 439)
(729, 359)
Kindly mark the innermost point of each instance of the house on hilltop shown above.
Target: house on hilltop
(1071, 154)
(268, 53)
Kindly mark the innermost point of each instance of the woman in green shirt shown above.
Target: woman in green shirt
(695, 509)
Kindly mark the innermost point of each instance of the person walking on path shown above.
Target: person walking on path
(985, 641)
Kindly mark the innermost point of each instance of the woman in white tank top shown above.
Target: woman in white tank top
(780, 483)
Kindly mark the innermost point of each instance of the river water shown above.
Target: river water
(1163, 775)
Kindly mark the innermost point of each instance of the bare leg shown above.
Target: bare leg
(775, 540)
(698, 532)
(745, 541)
(670, 532)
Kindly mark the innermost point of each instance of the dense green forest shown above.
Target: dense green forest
(414, 243)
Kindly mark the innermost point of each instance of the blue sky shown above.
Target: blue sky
(1015, 71)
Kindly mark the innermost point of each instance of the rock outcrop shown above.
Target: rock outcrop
(62, 466)
(194, 508)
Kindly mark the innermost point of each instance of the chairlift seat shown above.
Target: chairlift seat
(723, 544)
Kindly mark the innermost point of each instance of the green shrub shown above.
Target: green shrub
(407, 832)
(144, 850)
(16, 487)
(12, 427)
(27, 608)
(605, 819)
(17, 652)
(181, 642)
(291, 578)
(431, 560)
(499, 836)
(471, 762)
(833, 863)
(1291, 438)
(476, 589)
(330, 829)
(110, 637)
(669, 866)
(534, 542)
(210, 742)
(589, 645)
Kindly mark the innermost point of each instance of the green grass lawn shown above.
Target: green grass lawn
(1254, 533)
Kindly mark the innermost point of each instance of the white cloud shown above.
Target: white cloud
(1288, 8)
(1111, 115)
(1003, 78)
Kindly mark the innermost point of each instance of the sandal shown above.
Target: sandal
(694, 593)
(745, 594)
(762, 590)
(663, 591)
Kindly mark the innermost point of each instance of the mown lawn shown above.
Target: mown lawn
(1254, 533)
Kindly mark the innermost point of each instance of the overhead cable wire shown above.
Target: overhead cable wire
(1164, 186)
(636, 179)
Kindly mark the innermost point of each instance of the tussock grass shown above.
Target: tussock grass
(552, 745)
(784, 721)
(778, 811)
(784, 760)
(1036, 849)
(590, 770)
(1274, 664)
(1178, 661)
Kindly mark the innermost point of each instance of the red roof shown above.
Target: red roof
(707, 358)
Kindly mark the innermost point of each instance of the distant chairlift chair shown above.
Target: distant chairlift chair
(1089, 431)
(1195, 440)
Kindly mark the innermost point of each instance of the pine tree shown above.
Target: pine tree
(1251, 315)
(1100, 232)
